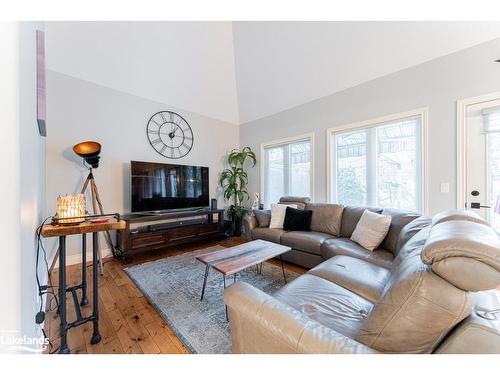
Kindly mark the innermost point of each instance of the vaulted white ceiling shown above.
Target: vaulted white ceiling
(188, 65)
(242, 71)
(280, 65)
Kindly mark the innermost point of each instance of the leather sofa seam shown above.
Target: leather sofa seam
(453, 324)
(411, 294)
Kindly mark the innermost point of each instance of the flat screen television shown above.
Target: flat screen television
(158, 186)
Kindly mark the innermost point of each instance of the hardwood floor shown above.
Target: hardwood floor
(127, 322)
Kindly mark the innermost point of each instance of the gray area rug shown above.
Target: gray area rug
(173, 286)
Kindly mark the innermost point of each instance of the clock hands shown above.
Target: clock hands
(170, 134)
(173, 131)
(176, 127)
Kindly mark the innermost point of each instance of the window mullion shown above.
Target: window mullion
(371, 167)
(418, 166)
(286, 169)
(266, 178)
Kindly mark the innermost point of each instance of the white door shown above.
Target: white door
(482, 143)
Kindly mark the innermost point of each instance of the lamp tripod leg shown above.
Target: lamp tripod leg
(86, 183)
(107, 235)
(94, 208)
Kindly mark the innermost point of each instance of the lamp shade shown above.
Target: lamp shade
(89, 151)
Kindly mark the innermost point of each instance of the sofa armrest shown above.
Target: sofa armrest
(262, 324)
(249, 222)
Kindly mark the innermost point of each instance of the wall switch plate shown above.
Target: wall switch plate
(445, 187)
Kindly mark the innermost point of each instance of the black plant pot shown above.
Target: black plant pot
(236, 226)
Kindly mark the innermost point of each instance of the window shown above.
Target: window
(286, 169)
(378, 163)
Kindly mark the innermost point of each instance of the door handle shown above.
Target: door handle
(478, 205)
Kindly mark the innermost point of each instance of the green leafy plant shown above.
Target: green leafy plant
(234, 180)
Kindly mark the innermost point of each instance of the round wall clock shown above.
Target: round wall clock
(170, 134)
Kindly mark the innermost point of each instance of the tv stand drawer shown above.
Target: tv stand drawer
(180, 233)
(209, 228)
(146, 239)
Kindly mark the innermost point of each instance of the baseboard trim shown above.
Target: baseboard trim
(77, 258)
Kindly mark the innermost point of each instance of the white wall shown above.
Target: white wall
(32, 164)
(189, 65)
(10, 267)
(78, 110)
(436, 84)
(23, 178)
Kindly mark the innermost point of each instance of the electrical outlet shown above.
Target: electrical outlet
(445, 187)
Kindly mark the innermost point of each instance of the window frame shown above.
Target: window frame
(373, 123)
(280, 142)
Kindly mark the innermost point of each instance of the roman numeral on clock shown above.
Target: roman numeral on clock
(156, 141)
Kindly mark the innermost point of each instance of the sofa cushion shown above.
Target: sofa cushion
(326, 218)
(297, 219)
(301, 258)
(416, 309)
(452, 215)
(344, 246)
(363, 278)
(399, 219)
(350, 218)
(300, 202)
(263, 217)
(411, 229)
(371, 230)
(268, 234)
(278, 212)
(465, 253)
(326, 302)
(309, 242)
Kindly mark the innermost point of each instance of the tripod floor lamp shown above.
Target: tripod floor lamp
(89, 151)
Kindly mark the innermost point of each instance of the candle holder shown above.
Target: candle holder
(70, 209)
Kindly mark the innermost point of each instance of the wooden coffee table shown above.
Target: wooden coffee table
(235, 259)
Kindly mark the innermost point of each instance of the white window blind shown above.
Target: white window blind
(491, 120)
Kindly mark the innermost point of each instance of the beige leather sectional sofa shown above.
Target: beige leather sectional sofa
(425, 291)
(331, 227)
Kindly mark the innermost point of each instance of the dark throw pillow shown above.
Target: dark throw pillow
(263, 217)
(297, 219)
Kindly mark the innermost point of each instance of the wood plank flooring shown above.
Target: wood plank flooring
(128, 323)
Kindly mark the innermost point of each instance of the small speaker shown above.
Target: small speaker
(213, 204)
(261, 206)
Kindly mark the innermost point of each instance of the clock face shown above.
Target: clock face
(170, 134)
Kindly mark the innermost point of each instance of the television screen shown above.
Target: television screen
(157, 186)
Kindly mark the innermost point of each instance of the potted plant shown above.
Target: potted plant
(233, 181)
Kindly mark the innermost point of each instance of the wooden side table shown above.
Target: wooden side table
(62, 231)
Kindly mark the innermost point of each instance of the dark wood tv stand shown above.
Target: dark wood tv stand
(154, 231)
